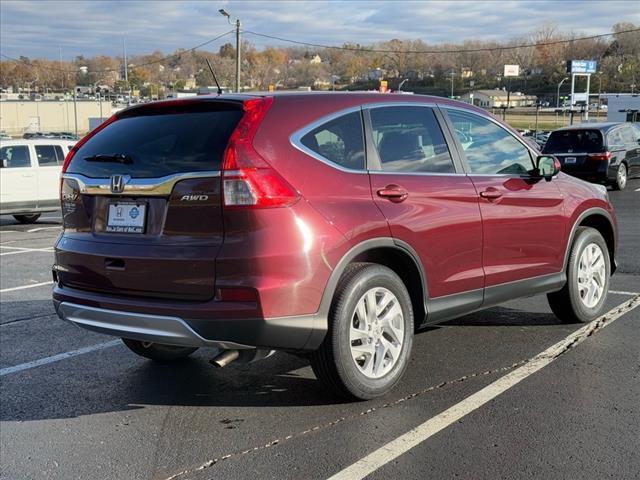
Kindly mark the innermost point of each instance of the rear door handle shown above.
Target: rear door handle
(491, 193)
(393, 193)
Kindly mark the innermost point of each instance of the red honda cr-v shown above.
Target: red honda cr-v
(331, 224)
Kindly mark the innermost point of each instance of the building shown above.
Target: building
(498, 99)
(20, 117)
(623, 107)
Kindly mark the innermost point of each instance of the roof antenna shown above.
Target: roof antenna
(214, 76)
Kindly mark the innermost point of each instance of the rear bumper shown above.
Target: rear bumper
(138, 326)
(601, 172)
(171, 324)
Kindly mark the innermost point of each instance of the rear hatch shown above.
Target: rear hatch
(577, 149)
(141, 201)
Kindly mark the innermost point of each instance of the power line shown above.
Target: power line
(467, 50)
(109, 70)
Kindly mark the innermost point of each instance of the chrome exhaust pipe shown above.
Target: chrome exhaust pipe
(225, 358)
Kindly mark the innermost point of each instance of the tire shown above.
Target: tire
(621, 177)
(573, 303)
(383, 359)
(27, 218)
(157, 351)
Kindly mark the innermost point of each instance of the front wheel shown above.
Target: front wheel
(27, 218)
(583, 297)
(367, 348)
(157, 351)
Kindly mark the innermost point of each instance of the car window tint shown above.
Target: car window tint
(409, 139)
(489, 148)
(339, 140)
(15, 156)
(574, 141)
(189, 137)
(46, 155)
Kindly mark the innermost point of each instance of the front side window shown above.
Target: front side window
(339, 140)
(49, 155)
(15, 157)
(489, 148)
(409, 139)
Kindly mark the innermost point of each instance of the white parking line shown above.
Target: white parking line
(17, 250)
(22, 287)
(33, 230)
(412, 438)
(58, 357)
(622, 292)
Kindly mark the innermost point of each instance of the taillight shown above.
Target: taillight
(602, 156)
(247, 179)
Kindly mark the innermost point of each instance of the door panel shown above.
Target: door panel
(18, 182)
(426, 203)
(523, 228)
(50, 159)
(440, 219)
(523, 218)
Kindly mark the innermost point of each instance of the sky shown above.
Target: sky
(43, 28)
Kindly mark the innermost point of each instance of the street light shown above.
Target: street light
(558, 96)
(224, 13)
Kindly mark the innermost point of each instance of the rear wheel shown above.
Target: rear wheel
(158, 351)
(583, 296)
(621, 177)
(27, 218)
(366, 350)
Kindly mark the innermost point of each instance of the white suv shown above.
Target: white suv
(30, 177)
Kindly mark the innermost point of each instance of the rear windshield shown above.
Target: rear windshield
(160, 142)
(574, 141)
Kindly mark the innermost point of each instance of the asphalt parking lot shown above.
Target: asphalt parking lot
(79, 405)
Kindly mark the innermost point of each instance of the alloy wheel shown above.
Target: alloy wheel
(376, 333)
(591, 275)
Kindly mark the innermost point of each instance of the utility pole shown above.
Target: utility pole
(238, 55)
(126, 69)
(224, 13)
(60, 57)
(75, 111)
(452, 74)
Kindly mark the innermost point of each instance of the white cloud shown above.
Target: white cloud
(36, 28)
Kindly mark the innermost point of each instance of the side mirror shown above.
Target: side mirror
(547, 167)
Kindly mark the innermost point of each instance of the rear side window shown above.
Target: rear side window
(160, 142)
(15, 156)
(409, 139)
(49, 155)
(574, 141)
(339, 140)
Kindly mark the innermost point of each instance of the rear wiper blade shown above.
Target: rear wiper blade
(111, 157)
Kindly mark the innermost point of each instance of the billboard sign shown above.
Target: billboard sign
(581, 66)
(511, 70)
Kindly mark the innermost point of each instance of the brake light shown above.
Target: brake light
(247, 179)
(603, 156)
(85, 139)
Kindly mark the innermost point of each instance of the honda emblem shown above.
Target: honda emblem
(118, 182)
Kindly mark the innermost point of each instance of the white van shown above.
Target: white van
(30, 177)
